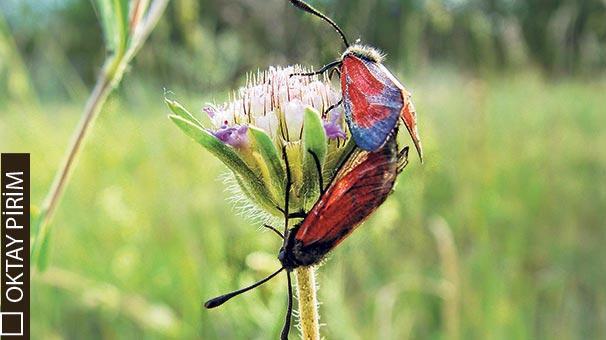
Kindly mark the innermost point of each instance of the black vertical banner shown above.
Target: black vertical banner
(14, 312)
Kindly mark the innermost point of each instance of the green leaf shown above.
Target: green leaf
(42, 253)
(314, 143)
(35, 218)
(229, 157)
(245, 189)
(346, 153)
(40, 240)
(314, 136)
(108, 23)
(339, 157)
(265, 146)
(182, 112)
(114, 19)
(121, 10)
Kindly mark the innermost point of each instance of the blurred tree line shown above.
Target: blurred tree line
(205, 43)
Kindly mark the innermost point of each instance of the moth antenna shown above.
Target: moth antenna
(219, 300)
(330, 66)
(286, 328)
(307, 8)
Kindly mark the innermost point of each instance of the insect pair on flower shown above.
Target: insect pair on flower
(284, 133)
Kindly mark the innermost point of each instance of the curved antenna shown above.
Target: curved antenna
(307, 8)
(219, 300)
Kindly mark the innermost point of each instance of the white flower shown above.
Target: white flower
(275, 101)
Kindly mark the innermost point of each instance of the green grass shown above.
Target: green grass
(515, 171)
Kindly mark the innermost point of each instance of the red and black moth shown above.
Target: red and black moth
(373, 99)
(361, 184)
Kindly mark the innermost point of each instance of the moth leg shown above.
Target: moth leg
(333, 71)
(330, 108)
(286, 328)
(319, 169)
(286, 191)
(298, 214)
(320, 71)
(274, 230)
(402, 159)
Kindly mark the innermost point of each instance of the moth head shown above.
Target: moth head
(365, 52)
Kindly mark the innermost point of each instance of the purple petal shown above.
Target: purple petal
(333, 127)
(333, 131)
(233, 135)
(210, 110)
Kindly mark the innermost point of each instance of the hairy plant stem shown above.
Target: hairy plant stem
(109, 78)
(308, 303)
(91, 111)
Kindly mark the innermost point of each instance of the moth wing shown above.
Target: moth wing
(361, 185)
(373, 100)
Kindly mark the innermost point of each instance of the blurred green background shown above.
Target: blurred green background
(499, 235)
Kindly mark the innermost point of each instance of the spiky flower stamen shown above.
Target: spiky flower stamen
(274, 102)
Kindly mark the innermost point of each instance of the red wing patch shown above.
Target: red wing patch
(360, 186)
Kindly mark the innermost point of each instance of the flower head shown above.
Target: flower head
(275, 101)
(277, 116)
